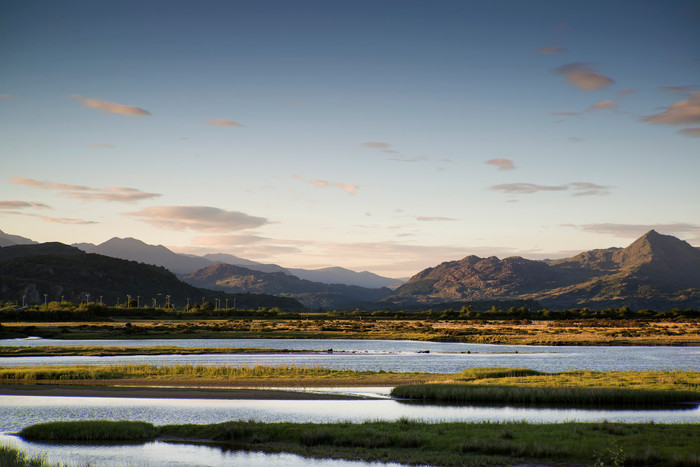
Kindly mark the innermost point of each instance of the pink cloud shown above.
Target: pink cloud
(695, 132)
(119, 194)
(112, 107)
(679, 113)
(223, 122)
(582, 77)
(198, 218)
(501, 163)
(552, 50)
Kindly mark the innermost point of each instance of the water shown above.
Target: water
(397, 356)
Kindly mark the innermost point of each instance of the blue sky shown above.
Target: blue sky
(381, 135)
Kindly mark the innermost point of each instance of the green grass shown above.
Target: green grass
(93, 372)
(11, 457)
(549, 396)
(405, 441)
(497, 372)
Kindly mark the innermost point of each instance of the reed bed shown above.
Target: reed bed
(550, 396)
(90, 372)
(411, 442)
(497, 372)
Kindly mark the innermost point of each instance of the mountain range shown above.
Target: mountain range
(136, 250)
(655, 271)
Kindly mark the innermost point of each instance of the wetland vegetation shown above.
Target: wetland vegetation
(412, 442)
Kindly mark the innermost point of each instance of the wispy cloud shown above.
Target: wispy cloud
(112, 107)
(434, 219)
(502, 163)
(66, 220)
(223, 122)
(376, 145)
(583, 77)
(688, 88)
(119, 194)
(347, 187)
(552, 50)
(409, 159)
(14, 204)
(578, 188)
(602, 105)
(101, 146)
(198, 218)
(683, 112)
(694, 132)
(565, 114)
(636, 230)
(7, 96)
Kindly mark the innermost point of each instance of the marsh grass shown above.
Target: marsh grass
(28, 351)
(411, 442)
(12, 457)
(91, 430)
(497, 372)
(549, 396)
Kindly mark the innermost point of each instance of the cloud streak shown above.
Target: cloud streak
(347, 187)
(694, 132)
(223, 122)
(636, 230)
(578, 188)
(552, 50)
(197, 218)
(112, 107)
(502, 163)
(685, 112)
(581, 76)
(14, 204)
(117, 194)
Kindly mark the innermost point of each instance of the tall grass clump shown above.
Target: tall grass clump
(497, 372)
(555, 396)
(90, 430)
(12, 457)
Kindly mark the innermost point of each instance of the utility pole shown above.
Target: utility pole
(138, 301)
(128, 301)
(46, 305)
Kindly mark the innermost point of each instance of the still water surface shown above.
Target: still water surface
(387, 355)
(400, 356)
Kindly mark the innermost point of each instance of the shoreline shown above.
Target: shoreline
(168, 392)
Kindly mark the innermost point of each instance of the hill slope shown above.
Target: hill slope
(62, 271)
(655, 271)
(312, 294)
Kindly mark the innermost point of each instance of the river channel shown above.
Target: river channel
(400, 356)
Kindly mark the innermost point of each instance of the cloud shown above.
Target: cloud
(408, 159)
(579, 188)
(7, 96)
(636, 230)
(626, 92)
(526, 188)
(680, 113)
(115, 193)
(13, 204)
(198, 218)
(101, 146)
(582, 77)
(348, 187)
(602, 105)
(223, 122)
(501, 163)
(575, 139)
(552, 50)
(253, 246)
(66, 220)
(688, 88)
(695, 132)
(565, 114)
(434, 219)
(376, 145)
(112, 107)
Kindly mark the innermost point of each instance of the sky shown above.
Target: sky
(379, 135)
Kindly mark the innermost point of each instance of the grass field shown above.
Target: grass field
(566, 332)
(405, 441)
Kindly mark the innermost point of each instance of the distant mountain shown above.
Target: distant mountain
(237, 279)
(9, 240)
(223, 258)
(338, 275)
(655, 271)
(60, 270)
(136, 250)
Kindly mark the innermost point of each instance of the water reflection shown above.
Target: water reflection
(17, 412)
(173, 455)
